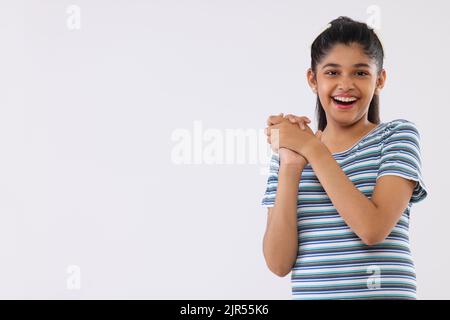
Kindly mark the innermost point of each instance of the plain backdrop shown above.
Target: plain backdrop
(92, 204)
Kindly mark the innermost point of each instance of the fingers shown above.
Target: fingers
(268, 137)
(273, 139)
(300, 120)
(318, 134)
(294, 118)
(268, 131)
(291, 118)
(273, 146)
(274, 119)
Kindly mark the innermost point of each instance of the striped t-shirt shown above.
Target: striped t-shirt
(332, 261)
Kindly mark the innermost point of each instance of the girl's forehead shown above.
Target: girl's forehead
(347, 55)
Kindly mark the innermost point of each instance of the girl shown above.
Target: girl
(339, 200)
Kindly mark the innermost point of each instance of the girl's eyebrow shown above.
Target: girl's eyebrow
(357, 65)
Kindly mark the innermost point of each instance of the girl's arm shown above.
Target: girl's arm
(280, 244)
(371, 219)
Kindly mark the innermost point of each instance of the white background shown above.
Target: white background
(86, 174)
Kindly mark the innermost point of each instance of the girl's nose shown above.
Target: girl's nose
(345, 84)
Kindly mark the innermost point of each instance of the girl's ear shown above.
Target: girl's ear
(380, 81)
(312, 81)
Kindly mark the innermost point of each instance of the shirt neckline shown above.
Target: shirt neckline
(360, 140)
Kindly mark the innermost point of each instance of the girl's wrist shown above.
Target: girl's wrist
(313, 146)
(293, 166)
(290, 172)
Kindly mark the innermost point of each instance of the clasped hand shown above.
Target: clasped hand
(290, 136)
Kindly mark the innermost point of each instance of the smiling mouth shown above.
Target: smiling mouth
(344, 103)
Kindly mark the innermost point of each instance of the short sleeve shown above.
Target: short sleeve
(401, 156)
(268, 199)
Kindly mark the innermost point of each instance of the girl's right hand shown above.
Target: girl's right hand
(287, 156)
(291, 158)
(273, 120)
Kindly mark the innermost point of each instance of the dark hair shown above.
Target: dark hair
(344, 30)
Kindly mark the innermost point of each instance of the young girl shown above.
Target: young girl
(339, 200)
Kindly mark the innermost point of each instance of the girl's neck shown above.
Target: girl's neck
(339, 138)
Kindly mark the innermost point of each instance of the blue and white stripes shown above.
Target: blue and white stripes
(332, 262)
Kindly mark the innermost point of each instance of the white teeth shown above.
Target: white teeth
(345, 99)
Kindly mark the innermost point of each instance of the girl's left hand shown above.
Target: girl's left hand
(293, 133)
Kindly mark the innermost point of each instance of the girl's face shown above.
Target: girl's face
(346, 73)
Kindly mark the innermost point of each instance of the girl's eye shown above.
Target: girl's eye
(359, 73)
